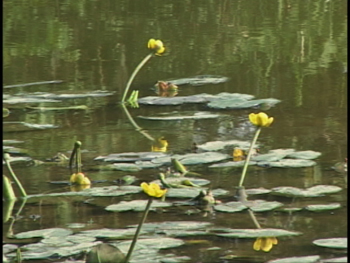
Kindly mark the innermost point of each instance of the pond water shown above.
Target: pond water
(293, 51)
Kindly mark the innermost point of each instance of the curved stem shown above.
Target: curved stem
(13, 175)
(137, 69)
(248, 157)
(137, 127)
(137, 233)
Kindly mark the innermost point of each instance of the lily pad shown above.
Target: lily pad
(314, 191)
(191, 192)
(238, 103)
(174, 225)
(96, 191)
(340, 242)
(254, 233)
(174, 116)
(136, 205)
(288, 163)
(24, 126)
(306, 155)
(255, 206)
(306, 259)
(200, 80)
(257, 191)
(317, 208)
(220, 145)
(127, 167)
(111, 233)
(178, 180)
(130, 157)
(231, 164)
(194, 158)
(77, 107)
(19, 159)
(172, 101)
(45, 233)
(335, 260)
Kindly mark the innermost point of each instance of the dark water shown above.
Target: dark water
(295, 51)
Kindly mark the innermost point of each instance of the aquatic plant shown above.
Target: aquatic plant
(260, 120)
(152, 190)
(265, 243)
(78, 177)
(10, 193)
(157, 48)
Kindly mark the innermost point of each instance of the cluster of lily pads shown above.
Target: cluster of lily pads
(174, 183)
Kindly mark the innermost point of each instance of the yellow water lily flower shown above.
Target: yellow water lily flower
(157, 46)
(160, 145)
(265, 243)
(261, 119)
(153, 189)
(79, 179)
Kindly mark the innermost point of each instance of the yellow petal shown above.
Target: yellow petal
(267, 244)
(274, 240)
(73, 178)
(257, 244)
(151, 43)
(253, 118)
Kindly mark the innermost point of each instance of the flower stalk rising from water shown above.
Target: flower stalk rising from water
(260, 120)
(152, 190)
(157, 48)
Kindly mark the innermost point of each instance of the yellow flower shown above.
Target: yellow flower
(261, 119)
(79, 179)
(153, 189)
(265, 243)
(238, 154)
(157, 46)
(160, 145)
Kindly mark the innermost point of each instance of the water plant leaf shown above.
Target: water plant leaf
(191, 192)
(238, 103)
(77, 107)
(257, 191)
(255, 206)
(231, 164)
(305, 259)
(172, 116)
(314, 191)
(136, 205)
(174, 225)
(174, 101)
(110, 233)
(254, 233)
(339, 242)
(220, 145)
(194, 158)
(318, 208)
(45, 233)
(25, 126)
(200, 80)
(130, 156)
(178, 180)
(230, 207)
(288, 163)
(306, 155)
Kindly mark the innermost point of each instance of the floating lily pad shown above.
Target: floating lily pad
(178, 180)
(136, 205)
(200, 80)
(306, 259)
(231, 164)
(172, 101)
(111, 233)
(97, 191)
(335, 260)
(257, 191)
(254, 233)
(238, 103)
(174, 225)
(317, 208)
(45, 233)
(220, 145)
(313, 191)
(269, 157)
(230, 207)
(77, 107)
(307, 155)
(19, 159)
(288, 163)
(340, 242)
(14, 150)
(198, 115)
(191, 192)
(130, 157)
(194, 158)
(127, 167)
(17, 99)
(256, 206)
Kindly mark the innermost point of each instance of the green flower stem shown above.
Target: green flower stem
(137, 69)
(248, 157)
(13, 175)
(256, 223)
(137, 233)
(137, 127)
(76, 153)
